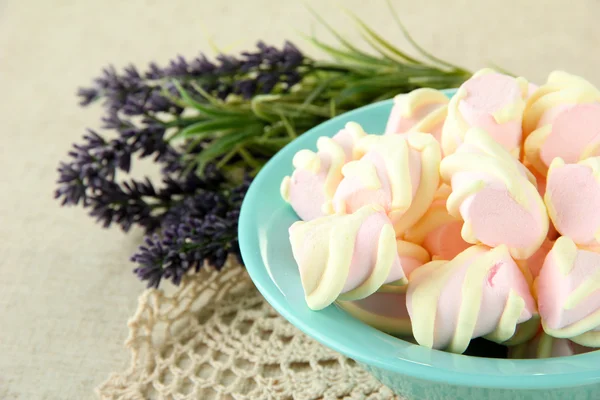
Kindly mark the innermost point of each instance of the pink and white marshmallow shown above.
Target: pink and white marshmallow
(481, 292)
(573, 199)
(561, 91)
(568, 293)
(317, 174)
(562, 119)
(438, 231)
(422, 110)
(397, 172)
(347, 257)
(495, 195)
(491, 101)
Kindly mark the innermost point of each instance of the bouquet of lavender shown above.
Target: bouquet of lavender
(211, 125)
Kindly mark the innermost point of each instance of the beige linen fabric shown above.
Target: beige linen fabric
(66, 288)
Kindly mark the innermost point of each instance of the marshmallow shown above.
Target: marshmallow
(561, 119)
(384, 311)
(495, 195)
(346, 257)
(422, 110)
(568, 292)
(532, 265)
(573, 135)
(573, 199)
(481, 292)
(438, 231)
(491, 101)
(396, 172)
(561, 91)
(317, 175)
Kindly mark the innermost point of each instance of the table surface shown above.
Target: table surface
(66, 287)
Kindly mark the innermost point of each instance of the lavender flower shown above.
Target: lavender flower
(135, 93)
(125, 204)
(89, 176)
(200, 228)
(91, 165)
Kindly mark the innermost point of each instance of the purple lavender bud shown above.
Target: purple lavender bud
(132, 73)
(87, 95)
(293, 58)
(154, 72)
(267, 82)
(228, 64)
(246, 88)
(177, 67)
(201, 66)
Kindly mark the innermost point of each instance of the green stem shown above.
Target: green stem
(248, 157)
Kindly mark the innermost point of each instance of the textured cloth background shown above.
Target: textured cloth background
(66, 288)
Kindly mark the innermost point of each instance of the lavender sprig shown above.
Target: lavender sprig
(202, 228)
(252, 73)
(239, 112)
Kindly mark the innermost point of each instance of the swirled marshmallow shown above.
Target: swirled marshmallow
(422, 110)
(573, 199)
(495, 195)
(562, 119)
(346, 257)
(491, 101)
(561, 91)
(396, 172)
(317, 175)
(568, 292)
(481, 292)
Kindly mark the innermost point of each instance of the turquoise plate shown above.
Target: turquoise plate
(412, 371)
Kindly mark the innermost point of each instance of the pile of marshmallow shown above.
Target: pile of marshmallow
(477, 216)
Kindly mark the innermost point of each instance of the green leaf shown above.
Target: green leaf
(372, 62)
(420, 49)
(288, 127)
(203, 108)
(180, 122)
(381, 41)
(211, 99)
(339, 37)
(296, 110)
(339, 69)
(359, 94)
(387, 95)
(259, 106)
(317, 91)
(332, 111)
(225, 159)
(385, 81)
(504, 71)
(226, 143)
(436, 80)
(265, 149)
(213, 126)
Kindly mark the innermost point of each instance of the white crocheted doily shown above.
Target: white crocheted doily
(217, 338)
